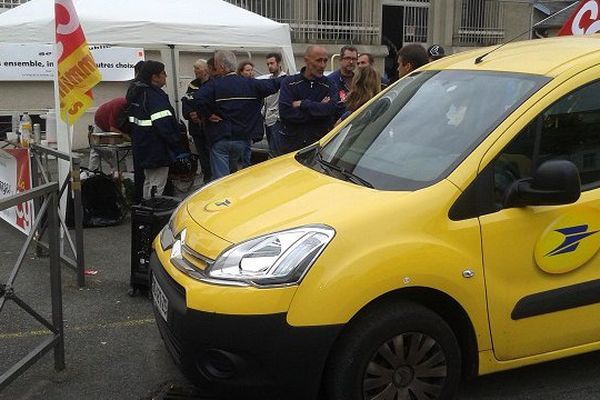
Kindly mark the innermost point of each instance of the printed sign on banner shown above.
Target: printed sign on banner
(35, 62)
(15, 176)
(585, 20)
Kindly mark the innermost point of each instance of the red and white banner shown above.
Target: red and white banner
(77, 70)
(15, 176)
(585, 20)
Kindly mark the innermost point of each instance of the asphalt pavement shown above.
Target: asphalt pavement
(112, 347)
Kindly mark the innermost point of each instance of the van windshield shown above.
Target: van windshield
(422, 128)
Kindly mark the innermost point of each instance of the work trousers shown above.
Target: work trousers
(155, 178)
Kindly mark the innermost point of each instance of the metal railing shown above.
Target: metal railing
(480, 22)
(49, 208)
(41, 172)
(416, 22)
(11, 3)
(314, 21)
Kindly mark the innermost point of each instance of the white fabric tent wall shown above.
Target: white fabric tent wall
(155, 25)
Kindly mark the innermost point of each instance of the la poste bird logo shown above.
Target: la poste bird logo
(569, 242)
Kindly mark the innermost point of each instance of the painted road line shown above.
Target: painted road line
(109, 325)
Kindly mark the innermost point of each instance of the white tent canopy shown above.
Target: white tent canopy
(169, 26)
(153, 24)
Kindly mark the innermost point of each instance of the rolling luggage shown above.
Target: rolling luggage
(147, 219)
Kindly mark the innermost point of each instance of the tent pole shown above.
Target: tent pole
(174, 76)
(62, 139)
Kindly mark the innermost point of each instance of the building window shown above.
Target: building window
(332, 12)
(415, 24)
(480, 22)
(337, 19)
(278, 10)
(321, 21)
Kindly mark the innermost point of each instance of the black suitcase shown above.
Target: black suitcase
(147, 219)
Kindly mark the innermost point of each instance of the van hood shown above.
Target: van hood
(276, 195)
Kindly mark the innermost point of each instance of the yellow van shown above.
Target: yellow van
(449, 228)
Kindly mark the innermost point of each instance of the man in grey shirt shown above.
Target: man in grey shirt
(271, 107)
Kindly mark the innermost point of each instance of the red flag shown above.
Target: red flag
(77, 70)
(585, 19)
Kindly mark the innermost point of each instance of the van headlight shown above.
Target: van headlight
(274, 259)
(167, 237)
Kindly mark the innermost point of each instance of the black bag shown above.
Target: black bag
(183, 171)
(102, 201)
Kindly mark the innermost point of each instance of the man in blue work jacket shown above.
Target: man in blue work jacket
(307, 104)
(155, 136)
(232, 106)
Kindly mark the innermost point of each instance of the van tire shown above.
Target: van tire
(395, 330)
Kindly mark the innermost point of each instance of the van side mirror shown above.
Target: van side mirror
(555, 182)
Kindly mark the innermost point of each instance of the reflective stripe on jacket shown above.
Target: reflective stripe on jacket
(238, 101)
(155, 134)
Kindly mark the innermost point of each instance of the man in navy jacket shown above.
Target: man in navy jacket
(307, 104)
(195, 125)
(232, 106)
(155, 132)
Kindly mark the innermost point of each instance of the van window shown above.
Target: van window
(567, 130)
(418, 131)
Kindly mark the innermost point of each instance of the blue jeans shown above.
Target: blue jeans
(202, 147)
(226, 154)
(271, 132)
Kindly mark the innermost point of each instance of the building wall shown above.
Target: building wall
(518, 20)
(442, 23)
(454, 24)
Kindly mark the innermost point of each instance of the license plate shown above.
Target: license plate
(160, 300)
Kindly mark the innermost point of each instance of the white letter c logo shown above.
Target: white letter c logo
(73, 23)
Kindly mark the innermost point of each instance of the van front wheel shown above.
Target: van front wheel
(398, 351)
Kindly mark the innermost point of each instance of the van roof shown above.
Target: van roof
(548, 57)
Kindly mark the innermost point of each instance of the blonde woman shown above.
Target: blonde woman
(366, 83)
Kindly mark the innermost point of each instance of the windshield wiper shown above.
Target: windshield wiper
(345, 173)
(307, 155)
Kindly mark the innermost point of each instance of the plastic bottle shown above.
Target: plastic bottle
(15, 122)
(50, 118)
(37, 133)
(25, 129)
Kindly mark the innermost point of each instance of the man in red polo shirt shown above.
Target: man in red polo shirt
(106, 119)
